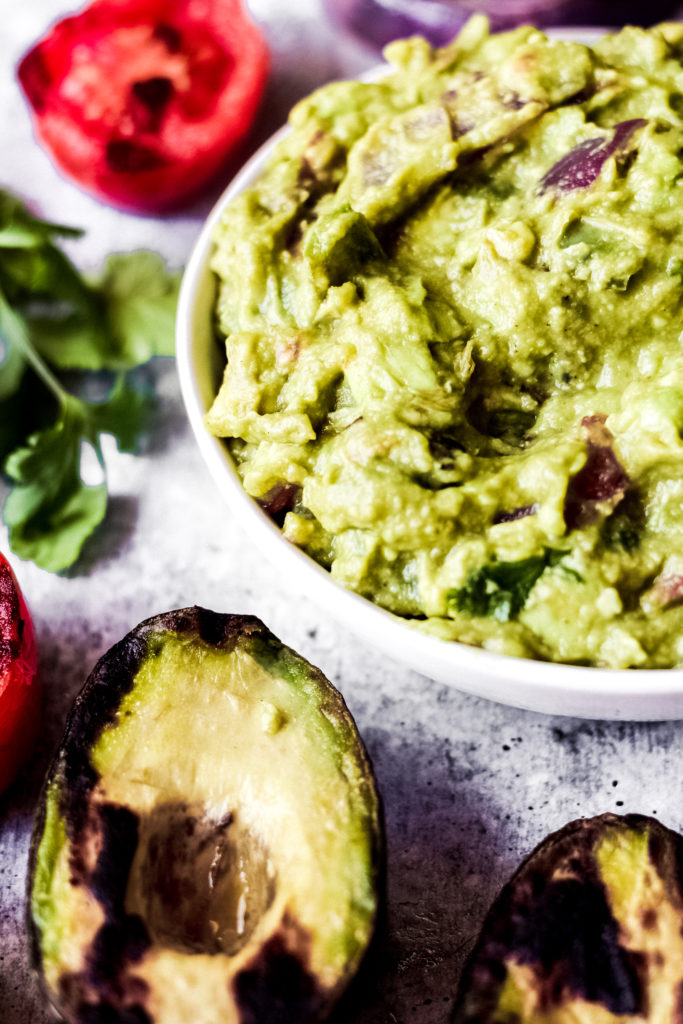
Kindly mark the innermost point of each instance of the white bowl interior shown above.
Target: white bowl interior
(630, 694)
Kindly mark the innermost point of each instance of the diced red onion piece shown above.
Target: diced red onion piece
(582, 165)
(517, 513)
(279, 499)
(602, 478)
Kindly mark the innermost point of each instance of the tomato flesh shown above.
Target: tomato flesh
(19, 689)
(141, 101)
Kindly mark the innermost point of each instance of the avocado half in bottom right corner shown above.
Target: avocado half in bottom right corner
(209, 844)
(589, 930)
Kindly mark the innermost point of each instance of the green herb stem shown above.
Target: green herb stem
(14, 332)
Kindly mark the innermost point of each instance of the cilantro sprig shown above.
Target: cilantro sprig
(57, 328)
(499, 590)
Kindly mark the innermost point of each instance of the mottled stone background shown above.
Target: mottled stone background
(469, 787)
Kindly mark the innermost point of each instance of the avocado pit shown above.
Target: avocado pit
(200, 884)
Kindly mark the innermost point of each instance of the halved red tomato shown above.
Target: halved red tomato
(141, 101)
(19, 689)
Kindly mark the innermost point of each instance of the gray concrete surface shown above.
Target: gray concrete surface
(469, 787)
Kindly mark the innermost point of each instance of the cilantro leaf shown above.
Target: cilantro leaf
(19, 228)
(43, 273)
(140, 298)
(12, 365)
(64, 316)
(50, 511)
(500, 590)
(624, 527)
(114, 320)
(13, 427)
(23, 408)
(45, 289)
(124, 413)
(124, 316)
(53, 319)
(68, 339)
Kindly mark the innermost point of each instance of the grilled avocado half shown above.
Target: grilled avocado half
(589, 930)
(208, 846)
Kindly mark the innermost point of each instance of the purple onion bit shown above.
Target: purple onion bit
(602, 480)
(582, 165)
(517, 513)
(279, 500)
(667, 589)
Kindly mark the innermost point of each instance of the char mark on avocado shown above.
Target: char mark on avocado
(95, 1014)
(277, 985)
(216, 629)
(571, 940)
(677, 1017)
(118, 843)
(114, 949)
(121, 940)
(667, 860)
(93, 710)
(73, 992)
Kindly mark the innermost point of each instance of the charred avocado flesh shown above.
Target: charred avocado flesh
(588, 931)
(209, 838)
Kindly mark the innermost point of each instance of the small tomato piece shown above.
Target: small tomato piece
(141, 101)
(19, 688)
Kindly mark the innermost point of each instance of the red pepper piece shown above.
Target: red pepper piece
(19, 688)
(141, 101)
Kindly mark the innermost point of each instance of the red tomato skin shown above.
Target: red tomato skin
(19, 681)
(149, 168)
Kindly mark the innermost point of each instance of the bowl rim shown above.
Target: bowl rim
(546, 686)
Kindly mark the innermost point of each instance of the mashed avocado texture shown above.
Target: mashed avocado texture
(452, 316)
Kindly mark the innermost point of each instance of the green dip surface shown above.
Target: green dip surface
(452, 312)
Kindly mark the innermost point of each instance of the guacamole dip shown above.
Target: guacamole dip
(452, 316)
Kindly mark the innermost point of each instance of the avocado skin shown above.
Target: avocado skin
(276, 986)
(553, 916)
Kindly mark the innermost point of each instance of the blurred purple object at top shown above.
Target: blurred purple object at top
(379, 21)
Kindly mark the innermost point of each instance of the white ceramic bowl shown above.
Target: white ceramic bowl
(643, 694)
